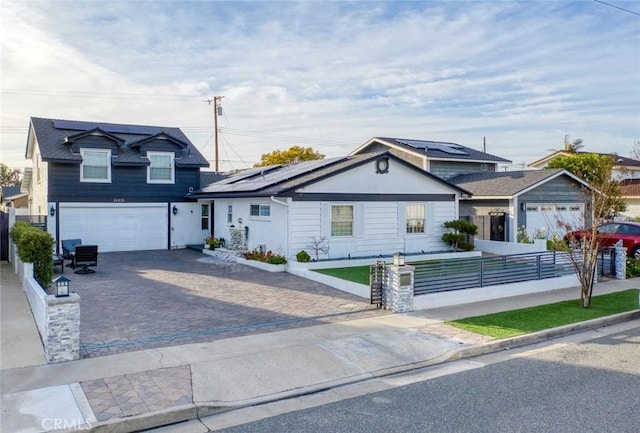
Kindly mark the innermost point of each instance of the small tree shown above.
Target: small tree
(319, 246)
(289, 156)
(459, 238)
(35, 246)
(605, 202)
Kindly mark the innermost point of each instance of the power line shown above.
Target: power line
(617, 7)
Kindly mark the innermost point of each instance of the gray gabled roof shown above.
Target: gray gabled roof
(507, 183)
(283, 180)
(436, 149)
(52, 134)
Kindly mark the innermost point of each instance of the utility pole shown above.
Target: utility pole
(217, 111)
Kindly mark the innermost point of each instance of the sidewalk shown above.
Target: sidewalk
(144, 389)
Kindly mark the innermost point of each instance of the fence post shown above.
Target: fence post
(398, 288)
(620, 257)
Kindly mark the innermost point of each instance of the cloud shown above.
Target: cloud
(522, 73)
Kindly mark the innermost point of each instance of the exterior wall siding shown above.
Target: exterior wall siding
(38, 189)
(378, 229)
(128, 184)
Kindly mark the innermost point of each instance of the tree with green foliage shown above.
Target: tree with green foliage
(289, 156)
(605, 203)
(572, 146)
(9, 176)
(459, 238)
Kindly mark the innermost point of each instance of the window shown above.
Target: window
(342, 220)
(204, 217)
(260, 210)
(96, 165)
(230, 214)
(415, 218)
(161, 168)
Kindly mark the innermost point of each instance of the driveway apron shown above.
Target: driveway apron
(146, 299)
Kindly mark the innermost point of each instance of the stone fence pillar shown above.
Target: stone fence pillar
(62, 336)
(398, 288)
(621, 263)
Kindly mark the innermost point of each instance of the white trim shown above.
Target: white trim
(94, 180)
(171, 156)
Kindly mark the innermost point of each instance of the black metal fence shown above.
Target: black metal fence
(39, 221)
(446, 275)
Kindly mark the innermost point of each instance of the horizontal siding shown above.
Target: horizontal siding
(128, 184)
(304, 225)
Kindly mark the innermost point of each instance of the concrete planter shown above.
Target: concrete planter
(262, 265)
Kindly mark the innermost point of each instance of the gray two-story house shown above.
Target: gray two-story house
(121, 187)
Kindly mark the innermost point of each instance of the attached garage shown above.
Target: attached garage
(116, 226)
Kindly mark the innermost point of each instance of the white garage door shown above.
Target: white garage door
(114, 227)
(544, 218)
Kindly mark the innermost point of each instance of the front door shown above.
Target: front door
(497, 226)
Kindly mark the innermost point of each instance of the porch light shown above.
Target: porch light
(398, 259)
(52, 211)
(175, 210)
(61, 286)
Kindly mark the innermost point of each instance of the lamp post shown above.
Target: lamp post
(61, 286)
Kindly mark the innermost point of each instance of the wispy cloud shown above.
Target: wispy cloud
(523, 74)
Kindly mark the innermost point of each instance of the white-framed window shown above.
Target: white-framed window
(415, 218)
(204, 217)
(341, 220)
(161, 169)
(260, 210)
(230, 214)
(96, 165)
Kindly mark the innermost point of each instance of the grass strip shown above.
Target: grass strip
(357, 274)
(527, 320)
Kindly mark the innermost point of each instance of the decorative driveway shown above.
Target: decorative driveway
(146, 299)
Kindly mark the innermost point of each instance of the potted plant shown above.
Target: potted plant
(213, 242)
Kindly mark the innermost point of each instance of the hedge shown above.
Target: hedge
(35, 246)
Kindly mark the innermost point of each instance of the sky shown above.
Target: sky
(328, 74)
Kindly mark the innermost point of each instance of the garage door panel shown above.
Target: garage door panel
(546, 216)
(122, 228)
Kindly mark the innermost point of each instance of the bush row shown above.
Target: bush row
(35, 246)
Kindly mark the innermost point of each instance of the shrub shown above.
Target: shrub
(268, 257)
(633, 268)
(458, 239)
(35, 246)
(303, 257)
(213, 242)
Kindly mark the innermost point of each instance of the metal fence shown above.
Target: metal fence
(446, 275)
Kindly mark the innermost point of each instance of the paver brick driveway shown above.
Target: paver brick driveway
(146, 299)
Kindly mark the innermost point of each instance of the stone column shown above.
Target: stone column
(398, 288)
(62, 339)
(621, 263)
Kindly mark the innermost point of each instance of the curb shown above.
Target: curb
(201, 409)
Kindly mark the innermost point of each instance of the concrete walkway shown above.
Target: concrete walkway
(137, 390)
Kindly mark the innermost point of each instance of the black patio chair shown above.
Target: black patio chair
(85, 256)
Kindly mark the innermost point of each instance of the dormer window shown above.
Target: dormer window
(96, 165)
(161, 169)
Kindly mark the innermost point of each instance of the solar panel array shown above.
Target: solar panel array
(74, 125)
(259, 179)
(449, 148)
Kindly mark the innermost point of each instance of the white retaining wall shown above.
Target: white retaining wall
(506, 248)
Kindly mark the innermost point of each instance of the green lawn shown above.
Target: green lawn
(357, 274)
(517, 322)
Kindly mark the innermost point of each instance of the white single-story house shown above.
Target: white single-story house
(359, 206)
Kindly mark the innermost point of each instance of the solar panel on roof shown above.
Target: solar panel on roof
(75, 125)
(450, 148)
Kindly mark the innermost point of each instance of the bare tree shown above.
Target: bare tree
(319, 246)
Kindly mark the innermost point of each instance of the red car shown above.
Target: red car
(610, 233)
